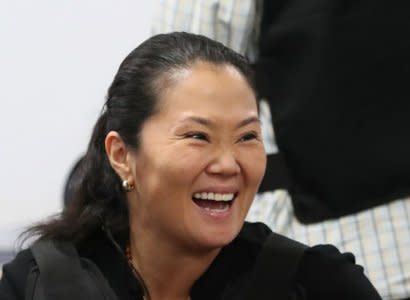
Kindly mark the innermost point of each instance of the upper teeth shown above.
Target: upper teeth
(214, 196)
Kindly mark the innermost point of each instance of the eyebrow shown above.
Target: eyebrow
(209, 123)
(249, 120)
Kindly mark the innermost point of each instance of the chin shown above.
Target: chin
(214, 239)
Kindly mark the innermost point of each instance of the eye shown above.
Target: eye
(197, 136)
(248, 136)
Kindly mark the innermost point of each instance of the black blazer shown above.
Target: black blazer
(323, 272)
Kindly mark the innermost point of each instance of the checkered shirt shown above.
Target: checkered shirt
(235, 23)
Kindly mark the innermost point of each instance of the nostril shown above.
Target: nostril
(224, 168)
(225, 163)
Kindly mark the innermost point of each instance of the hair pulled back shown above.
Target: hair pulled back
(98, 199)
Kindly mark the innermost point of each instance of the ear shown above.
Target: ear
(118, 155)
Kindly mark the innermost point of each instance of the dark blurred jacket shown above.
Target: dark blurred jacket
(336, 75)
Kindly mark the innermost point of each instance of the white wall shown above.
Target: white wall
(57, 59)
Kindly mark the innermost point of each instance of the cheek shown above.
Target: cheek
(255, 166)
(179, 165)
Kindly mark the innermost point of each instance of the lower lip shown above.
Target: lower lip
(216, 213)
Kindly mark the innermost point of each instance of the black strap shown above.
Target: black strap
(64, 276)
(275, 268)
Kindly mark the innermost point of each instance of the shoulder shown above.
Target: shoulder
(322, 272)
(325, 273)
(14, 277)
(241, 253)
(253, 234)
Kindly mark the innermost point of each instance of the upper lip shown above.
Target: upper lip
(218, 189)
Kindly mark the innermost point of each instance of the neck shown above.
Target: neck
(168, 271)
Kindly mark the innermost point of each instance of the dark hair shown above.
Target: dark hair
(72, 182)
(99, 200)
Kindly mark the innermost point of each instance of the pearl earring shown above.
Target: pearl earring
(126, 186)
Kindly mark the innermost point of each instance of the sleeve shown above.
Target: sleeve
(14, 276)
(325, 273)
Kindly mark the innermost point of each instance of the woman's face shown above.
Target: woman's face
(200, 161)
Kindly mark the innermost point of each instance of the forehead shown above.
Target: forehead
(207, 87)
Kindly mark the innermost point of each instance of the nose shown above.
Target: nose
(224, 163)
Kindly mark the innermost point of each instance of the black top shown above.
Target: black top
(323, 273)
(336, 75)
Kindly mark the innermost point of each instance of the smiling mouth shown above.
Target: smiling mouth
(214, 203)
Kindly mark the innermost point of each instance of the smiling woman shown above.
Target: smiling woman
(191, 146)
(171, 170)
